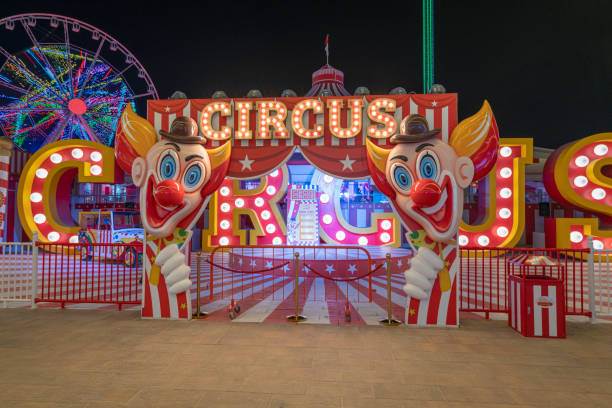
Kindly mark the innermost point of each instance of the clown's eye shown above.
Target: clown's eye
(193, 176)
(427, 164)
(167, 165)
(402, 178)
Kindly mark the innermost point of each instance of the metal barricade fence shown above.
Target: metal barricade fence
(18, 272)
(600, 272)
(89, 273)
(251, 274)
(483, 277)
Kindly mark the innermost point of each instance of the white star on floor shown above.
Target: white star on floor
(253, 263)
(352, 269)
(347, 163)
(434, 103)
(268, 264)
(167, 109)
(329, 269)
(246, 163)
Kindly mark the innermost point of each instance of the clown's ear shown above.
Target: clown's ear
(377, 162)
(477, 137)
(219, 163)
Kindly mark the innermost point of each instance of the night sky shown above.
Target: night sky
(545, 66)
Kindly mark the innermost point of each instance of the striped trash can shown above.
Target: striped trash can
(536, 299)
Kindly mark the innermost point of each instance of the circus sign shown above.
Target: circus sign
(330, 132)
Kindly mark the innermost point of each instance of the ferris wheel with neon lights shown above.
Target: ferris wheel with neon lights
(62, 79)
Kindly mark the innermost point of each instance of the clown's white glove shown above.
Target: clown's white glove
(422, 274)
(173, 267)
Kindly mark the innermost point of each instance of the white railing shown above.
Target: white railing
(18, 272)
(600, 281)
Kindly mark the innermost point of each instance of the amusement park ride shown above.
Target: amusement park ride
(74, 99)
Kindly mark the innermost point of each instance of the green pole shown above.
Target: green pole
(428, 50)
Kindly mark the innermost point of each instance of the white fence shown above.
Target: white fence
(18, 272)
(600, 281)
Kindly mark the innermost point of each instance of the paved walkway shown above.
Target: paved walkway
(92, 358)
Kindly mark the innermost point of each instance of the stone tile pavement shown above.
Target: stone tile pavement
(93, 358)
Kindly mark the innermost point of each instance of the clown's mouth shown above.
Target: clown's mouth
(439, 215)
(157, 215)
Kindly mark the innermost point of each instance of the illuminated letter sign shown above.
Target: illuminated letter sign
(577, 175)
(259, 204)
(45, 186)
(506, 209)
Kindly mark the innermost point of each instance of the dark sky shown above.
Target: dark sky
(545, 66)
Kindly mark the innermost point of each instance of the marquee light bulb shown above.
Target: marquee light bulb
(483, 240)
(385, 237)
(576, 237)
(600, 149)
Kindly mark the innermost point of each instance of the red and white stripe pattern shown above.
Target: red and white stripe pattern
(440, 308)
(157, 303)
(537, 307)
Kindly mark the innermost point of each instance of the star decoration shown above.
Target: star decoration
(329, 269)
(434, 103)
(183, 305)
(268, 264)
(399, 263)
(167, 109)
(285, 268)
(352, 268)
(239, 261)
(347, 163)
(253, 263)
(412, 312)
(246, 163)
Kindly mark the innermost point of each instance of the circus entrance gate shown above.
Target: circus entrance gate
(335, 284)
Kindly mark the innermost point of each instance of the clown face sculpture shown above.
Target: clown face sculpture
(171, 178)
(428, 178)
(424, 178)
(176, 176)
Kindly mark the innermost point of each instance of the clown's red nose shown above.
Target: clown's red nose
(169, 193)
(425, 193)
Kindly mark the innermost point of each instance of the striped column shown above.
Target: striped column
(6, 148)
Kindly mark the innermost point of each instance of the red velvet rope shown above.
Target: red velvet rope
(341, 279)
(248, 272)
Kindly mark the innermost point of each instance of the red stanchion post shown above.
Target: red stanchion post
(296, 316)
(389, 321)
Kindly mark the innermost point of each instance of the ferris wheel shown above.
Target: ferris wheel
(62, 78)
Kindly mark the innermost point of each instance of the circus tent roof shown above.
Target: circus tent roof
(328, 80)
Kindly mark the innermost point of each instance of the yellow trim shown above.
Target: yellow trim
(590, 228)
(518, 194)
(561, 172)
(213, 218)
(594, 172)
(50, 184)
(378, 155)
(219, 155)
(254, 233)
